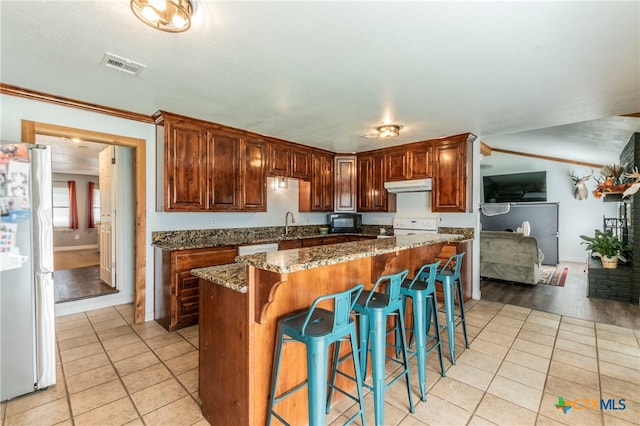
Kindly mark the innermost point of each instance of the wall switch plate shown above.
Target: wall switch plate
(76, 236)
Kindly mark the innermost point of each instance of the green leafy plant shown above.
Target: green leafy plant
(605, 243)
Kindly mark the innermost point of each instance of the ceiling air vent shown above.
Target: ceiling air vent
(122, 64)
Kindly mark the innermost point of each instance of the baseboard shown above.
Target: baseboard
(70, 248)
(574, 259)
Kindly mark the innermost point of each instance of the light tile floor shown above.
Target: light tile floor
(113, 372)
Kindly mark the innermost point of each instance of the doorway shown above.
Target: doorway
(29, 131)
(86, 255)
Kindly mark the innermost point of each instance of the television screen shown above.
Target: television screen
(515, 187)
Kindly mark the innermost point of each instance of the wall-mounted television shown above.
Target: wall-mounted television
(515, 188)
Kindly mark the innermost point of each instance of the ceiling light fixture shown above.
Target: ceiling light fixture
(172, 16)
(388, 131)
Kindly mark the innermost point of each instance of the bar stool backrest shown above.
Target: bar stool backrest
(454, 264)
(342, 305)
(426, 275)
(393, 287)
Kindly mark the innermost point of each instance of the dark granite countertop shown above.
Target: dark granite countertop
(203, 238)
(233, 275)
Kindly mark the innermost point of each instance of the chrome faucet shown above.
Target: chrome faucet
(286, 222)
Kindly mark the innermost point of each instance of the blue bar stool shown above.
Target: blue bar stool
(422, 291)
(374, 308)
(449, 276)
(318, 328)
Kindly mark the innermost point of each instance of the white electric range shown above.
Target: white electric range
(416, 225)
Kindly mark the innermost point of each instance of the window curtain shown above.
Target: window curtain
(73, 205)
(91, 221)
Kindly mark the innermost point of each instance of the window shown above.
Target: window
(60, 205)
(94, 205)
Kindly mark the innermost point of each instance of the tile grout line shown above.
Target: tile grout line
(165, 366)
(486, 391)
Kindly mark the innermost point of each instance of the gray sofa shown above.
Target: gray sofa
(510, 256)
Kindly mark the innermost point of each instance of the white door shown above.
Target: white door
(107, 217)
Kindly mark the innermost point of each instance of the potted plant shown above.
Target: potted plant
(607, 246)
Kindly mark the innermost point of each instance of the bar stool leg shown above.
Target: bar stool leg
(434, 311)
(462, 317)
(377, 321)
(449, 306)
(359, 377)
(419, 317)
(274, 374)
(317, 391)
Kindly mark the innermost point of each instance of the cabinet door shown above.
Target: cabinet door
(396, 165)
(253, 186)
(419, 162)
(364, 183)
(279, 160)
(300, 164)
(379, 195)
(185, 167)
(449, 175)
(345, 184)
(327, 184)
(317, 199)
(316, 195)
(224, 174)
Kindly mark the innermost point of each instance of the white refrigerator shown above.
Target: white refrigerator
(27, 320)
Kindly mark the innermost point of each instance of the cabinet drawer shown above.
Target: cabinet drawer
(187, 285)
(287, 245)
(188, 310)
(190, 260)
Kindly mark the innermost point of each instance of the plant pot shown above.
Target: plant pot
(609, 262)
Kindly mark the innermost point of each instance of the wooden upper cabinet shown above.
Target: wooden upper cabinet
(419, 159)
(396, 167)
(372, 197)
(224, 172)
(316, 195)
(451, 183)
(253, 183)
(279, 160)
(346, 193)
(288, 160)
(185, 166)
(208, 167)
(300, 163)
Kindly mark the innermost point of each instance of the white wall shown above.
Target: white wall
(576, 217)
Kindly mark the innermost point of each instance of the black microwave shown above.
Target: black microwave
(344, 222)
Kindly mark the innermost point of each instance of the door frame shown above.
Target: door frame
(29, 131)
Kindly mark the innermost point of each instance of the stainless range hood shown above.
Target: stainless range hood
(415, 185)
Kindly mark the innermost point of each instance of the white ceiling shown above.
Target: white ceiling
(517, 74)
(69, 157)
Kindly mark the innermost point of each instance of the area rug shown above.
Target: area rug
(552, 275)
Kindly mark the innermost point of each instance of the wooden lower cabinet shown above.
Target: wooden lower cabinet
(290, 244)
(176, 290)
(321, 241)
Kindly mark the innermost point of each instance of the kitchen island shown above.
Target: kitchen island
(241, 303)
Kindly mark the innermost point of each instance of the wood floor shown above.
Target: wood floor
(570, 300)
(70, 259)
(77, 276)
